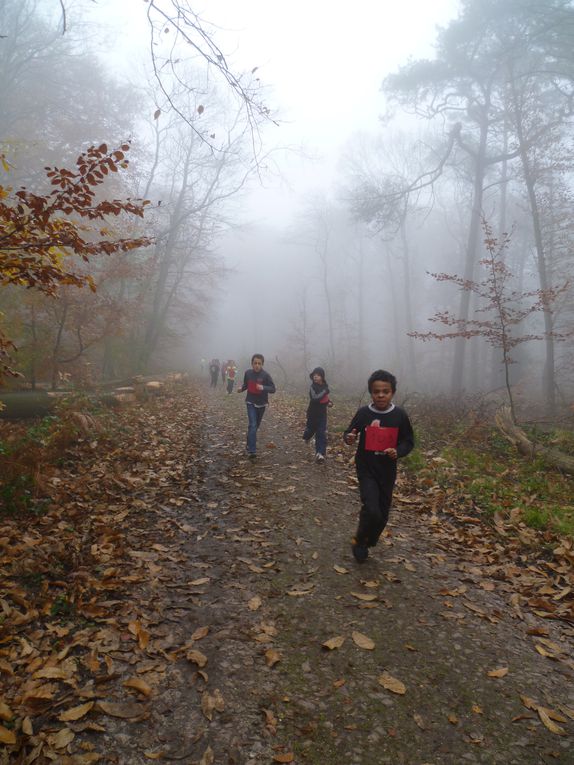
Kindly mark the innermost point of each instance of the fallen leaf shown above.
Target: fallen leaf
(341, 569)
(76, 713)
(5, 712)
(272, 657)
(529, 703)
(199, 582)
(453, 719)
(270, 721)
(364, 596)
(200, 633)
(61, 739)
(287, 757)
(211, 702)
(391, 683)
(155, 755)
(7, 736)
(363, 641)
(126, 711)
(501, 672)
(254, 603)
(197, 658)
(27, 727)
(297, 593)
(334, 642)
(544, 716)
(419, 721)
(139, 685)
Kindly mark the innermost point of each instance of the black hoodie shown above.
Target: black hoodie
(319, 392)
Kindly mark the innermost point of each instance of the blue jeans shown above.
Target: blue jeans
(254, 417)
(317, 426)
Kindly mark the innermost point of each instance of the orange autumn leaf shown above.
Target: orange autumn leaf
(76, 713)
(7, 736)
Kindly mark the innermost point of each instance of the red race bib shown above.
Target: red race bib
(379, 439)
(252, 387)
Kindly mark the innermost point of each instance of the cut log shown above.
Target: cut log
(153, 387)
(526, 447)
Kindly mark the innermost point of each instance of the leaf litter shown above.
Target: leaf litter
(102, 612)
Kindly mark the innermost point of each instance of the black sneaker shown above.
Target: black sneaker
(360, 552)
(252, 455)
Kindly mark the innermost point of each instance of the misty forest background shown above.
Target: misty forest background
(475, 144)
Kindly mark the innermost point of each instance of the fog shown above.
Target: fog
(321, 182)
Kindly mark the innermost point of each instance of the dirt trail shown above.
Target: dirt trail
(258, 555)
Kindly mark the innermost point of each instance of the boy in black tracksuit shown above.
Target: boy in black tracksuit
(317, 413)
(258, 384)
(385, 434)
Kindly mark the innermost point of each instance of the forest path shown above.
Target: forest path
(271, 578)
(200, 608)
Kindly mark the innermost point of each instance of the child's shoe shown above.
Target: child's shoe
(319, 458)
(360, 552)
(252, 456)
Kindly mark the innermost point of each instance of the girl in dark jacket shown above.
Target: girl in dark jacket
(319, 401)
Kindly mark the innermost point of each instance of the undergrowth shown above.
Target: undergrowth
(28, 448)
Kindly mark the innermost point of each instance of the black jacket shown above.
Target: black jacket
(264, 379)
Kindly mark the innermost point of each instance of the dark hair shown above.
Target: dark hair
(383, 376)
(258, 356)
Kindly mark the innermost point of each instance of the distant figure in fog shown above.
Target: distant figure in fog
(385, 433)
(214, 372)
(230, 372)
(319, 402)
(223, 368)
(258, 384)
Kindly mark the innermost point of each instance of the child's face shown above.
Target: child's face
(317, 379)
(257, 365)
(381, 393)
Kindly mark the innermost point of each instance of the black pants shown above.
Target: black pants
(214, 377)
(376, 489)
(230, 385)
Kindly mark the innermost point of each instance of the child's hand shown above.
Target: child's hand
(329, 404)
(392, 453)
(259, 386)
(351, 437)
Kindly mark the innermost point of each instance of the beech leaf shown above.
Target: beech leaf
(7, 736)
(545, 717)
(272, 657)
(391, 683)
(334, 642)
(500, 672)
(363, 641)
(197, 658)
(76, 713)
(139, 685)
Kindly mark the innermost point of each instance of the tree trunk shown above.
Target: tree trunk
(471, 252)
(524, 446)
